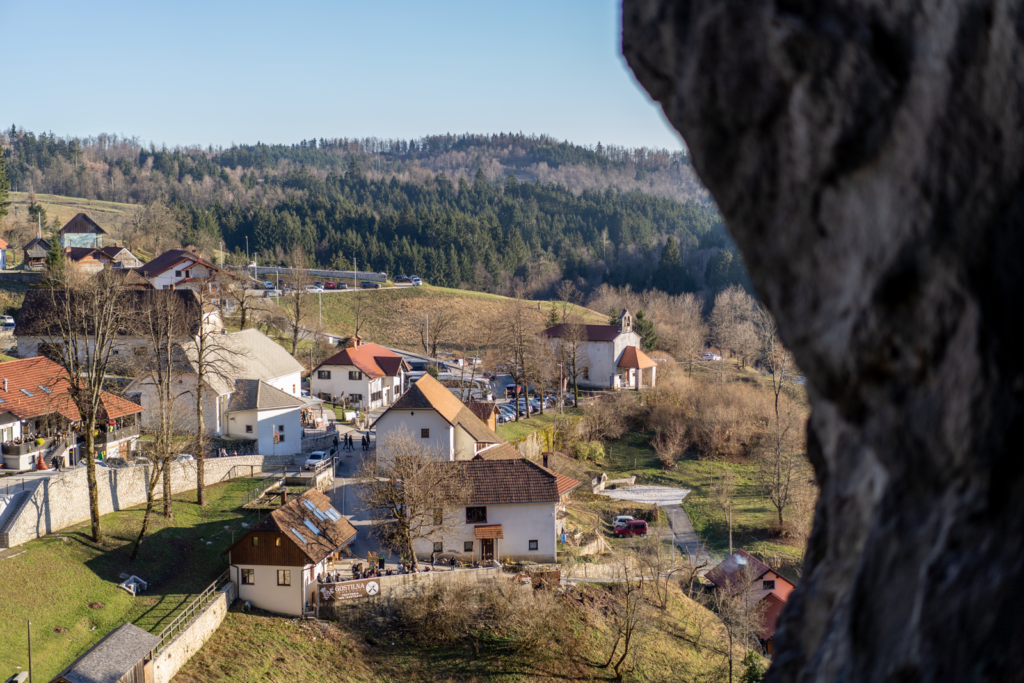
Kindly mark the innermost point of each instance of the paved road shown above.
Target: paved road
(346, 499)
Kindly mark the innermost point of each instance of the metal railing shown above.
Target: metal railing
(191, 611)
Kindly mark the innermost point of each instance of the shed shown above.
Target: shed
(35, 253)
(81, 231)
(123, 656)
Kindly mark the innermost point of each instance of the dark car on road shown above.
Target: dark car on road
(342, 285)
(366, 284)
(402, 278)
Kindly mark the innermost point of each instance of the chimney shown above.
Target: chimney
(545, 460)
(356, 340)
(284, 496)
(5, 384)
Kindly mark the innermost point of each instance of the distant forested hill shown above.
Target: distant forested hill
(468, 210)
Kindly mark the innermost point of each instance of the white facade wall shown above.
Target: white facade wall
(264, 423)
(266, 594)
(339, 384)
(396, 422)
(184, 412)
(464, 445)
(602, 360)
(171, 277)
(289, 384)
(520, 524)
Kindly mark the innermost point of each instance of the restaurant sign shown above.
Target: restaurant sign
(348, 590)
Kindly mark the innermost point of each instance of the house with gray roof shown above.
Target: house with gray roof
(251, 389)
(123, 656)
(81, 231)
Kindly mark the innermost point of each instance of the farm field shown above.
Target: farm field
(67, 585)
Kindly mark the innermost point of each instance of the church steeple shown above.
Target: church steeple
(625, 322)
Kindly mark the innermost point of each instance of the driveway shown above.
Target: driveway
(670, 499)
(346, 500)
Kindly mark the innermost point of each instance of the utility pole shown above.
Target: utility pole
(355, 273)
(29, 652)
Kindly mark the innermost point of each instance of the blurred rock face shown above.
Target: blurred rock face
(867, 157)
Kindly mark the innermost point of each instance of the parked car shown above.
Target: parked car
(622, 519)
(712, 356)
(314, 459)
(342, 285)
(7, 322)
(319, 283)
(313, 289)
(634, 528)
(402, 278)
(416, 282)
(329, 284)
(366, 284)
(184, 457)
(268, 285)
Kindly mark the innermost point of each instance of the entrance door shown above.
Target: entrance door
(487, 549)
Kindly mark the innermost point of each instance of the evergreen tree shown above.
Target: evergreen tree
(553, 318)
(717, 271)
(613, 317)
(644, 327)
(753, 668)
(55, 257)
(5, 187)
(669, 275)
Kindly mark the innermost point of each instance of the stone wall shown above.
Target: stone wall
(408, 585)
(63, 500)
(321, 443)
(188, 642)
(534, 444)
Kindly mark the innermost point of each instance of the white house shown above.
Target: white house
(511, 511)
(429, 413)
(177, 268)
(276, 564)
(253, 391)
(613, 357)
(368, 375)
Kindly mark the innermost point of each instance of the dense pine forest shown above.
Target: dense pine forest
(477, 211)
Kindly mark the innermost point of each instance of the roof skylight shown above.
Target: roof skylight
(28, 393)
(301, 538)
(311, 527)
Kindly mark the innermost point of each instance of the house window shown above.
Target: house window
(284, 577)
(248, 429)
(249, 577)
(768, 585)
(467, 546)
(293, 388)
(277, 541)
(323, 374)
(586, 373)
(356, 397)
(476, 515)
(424, 433)
(439, 547)
(140, 351)
(255, 540)
(534, 545)
(355, 374)
(177, 273)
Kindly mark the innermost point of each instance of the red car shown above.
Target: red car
(329, 285)
(635, 528)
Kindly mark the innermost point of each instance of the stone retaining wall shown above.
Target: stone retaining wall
(62, 500)
(409, 585)
(177, 653)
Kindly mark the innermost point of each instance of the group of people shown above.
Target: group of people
(350, 445)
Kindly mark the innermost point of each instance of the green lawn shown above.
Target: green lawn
(751, 513)
(513, 431)
(67, 585)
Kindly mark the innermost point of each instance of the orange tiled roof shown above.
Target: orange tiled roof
(47, 386)
(632, 357)
(373, 360)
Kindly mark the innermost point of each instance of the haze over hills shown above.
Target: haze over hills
(476, 211)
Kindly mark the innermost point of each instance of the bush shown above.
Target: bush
(588, 450)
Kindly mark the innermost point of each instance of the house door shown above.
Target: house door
(487, 549)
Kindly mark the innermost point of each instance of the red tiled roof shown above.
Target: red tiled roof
(169, 259)
(632, 357)
(508, 481)
(372, 359)
(590, 332)
(565, 484)
(482, 409)
(770, 619)
(4, 244)
(31, 375)
(502, 451)
(488, 531)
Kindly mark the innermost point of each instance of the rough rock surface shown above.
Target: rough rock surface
(867, 156)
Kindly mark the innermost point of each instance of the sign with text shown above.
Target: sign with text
(348, 590)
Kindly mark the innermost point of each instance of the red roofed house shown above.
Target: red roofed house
(276, 563)
(367, 375)
(512, 511)
(764, 585)
(178, 268)
(35, 406)
(613, 358)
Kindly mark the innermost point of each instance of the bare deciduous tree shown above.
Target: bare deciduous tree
(631, 618)
(739, 607)
(732, 322)
(693, 331)
(298, 306)
(406, 489)
(569, 296)
(87, 314)
(516, 340)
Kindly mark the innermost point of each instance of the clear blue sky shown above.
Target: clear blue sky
(217, 72)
